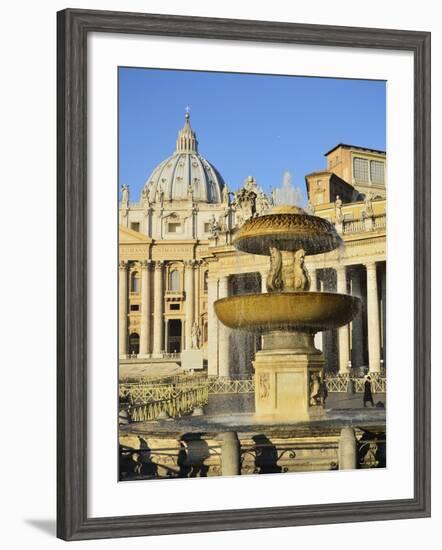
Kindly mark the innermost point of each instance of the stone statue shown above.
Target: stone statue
(368, 201)
(225, 195)
(311, 208)
(196, 336)
(189, 192)
(338, 209)
(214, 226)
(274, 278)
(315, 390)
(370, 458)
(262, 203)
(144, 195)
(125, 193)
(301, 278)
(222, 222)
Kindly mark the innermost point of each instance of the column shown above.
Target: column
(344, 348)
(223, 334)
(190, 303)
(384, 311)
(230, 454)
(263, 282)
(374, 343)
(212, 327)
(357, 328)
(347, 450)
(122, 309)
(316, 286)
(158, 310)
(145, 309)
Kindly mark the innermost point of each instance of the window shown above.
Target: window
(135, 282)
(206, 281)
(174, 227)
(134, 307)
(174, 280)
(175, 306)
(360, 169)
(135, 226)
(377, 172)
(207, 227)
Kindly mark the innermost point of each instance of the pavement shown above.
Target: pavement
(236, 413)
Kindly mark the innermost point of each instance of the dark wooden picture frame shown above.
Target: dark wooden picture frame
(73, 28)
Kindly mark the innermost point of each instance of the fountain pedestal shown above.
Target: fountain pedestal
(288, 375)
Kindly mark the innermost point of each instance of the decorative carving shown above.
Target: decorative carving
(245, 200)
(315, 390)
(370, 459)
(125, 194)
(291, 232)
(274, 278)
(264, 385)
(338, 209)
(301, 278)
(196, 336)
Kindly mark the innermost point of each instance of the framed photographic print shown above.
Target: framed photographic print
(243, 274)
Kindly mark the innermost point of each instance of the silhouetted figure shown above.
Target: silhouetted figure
(368, 396)
(266, 456)
(144, 465)
(184, 468)
(194, 451)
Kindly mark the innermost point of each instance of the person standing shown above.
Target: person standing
(368, 395)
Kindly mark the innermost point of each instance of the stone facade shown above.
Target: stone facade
(176, 260)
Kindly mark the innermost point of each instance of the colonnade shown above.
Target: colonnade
(152, 338)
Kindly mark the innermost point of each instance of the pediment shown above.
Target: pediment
(129, 236)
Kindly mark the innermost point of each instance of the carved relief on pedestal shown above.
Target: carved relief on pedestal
(264, 385)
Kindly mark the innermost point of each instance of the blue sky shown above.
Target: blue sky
(256, 125)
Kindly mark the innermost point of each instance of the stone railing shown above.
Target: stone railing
(353, 226)
(232, 453)
(360, 226)
(219, 385)
(346, 383)
(147, 401)
(380, 221)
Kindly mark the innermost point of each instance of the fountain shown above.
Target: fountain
(288, 369)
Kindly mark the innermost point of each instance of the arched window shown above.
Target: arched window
(135, 282)
(174, 283)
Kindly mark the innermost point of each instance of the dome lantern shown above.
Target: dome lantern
(186, 141)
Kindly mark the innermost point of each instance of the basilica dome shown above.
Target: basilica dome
(185, 175)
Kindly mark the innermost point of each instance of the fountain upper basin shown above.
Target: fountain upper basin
(302, 311)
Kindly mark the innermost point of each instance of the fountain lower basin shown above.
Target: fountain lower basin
(301, 311)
